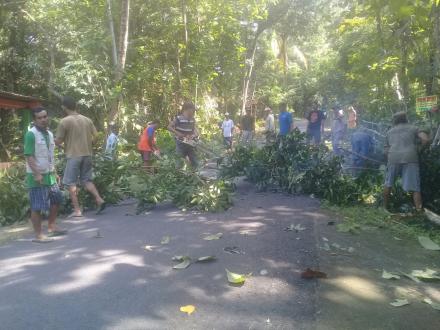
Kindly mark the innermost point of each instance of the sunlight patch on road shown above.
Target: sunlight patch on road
(92, 273)
(18, 264)
(356, 287)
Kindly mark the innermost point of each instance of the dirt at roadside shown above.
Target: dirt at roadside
(355, 296)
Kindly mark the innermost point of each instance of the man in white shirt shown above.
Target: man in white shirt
(269, 125)
(112, 142)
(228, 130)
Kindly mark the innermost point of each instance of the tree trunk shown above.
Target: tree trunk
(122, 55)
(435, 48)
(112, 33)
(185, 31)
(247, 78)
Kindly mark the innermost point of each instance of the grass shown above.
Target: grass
(408, 226)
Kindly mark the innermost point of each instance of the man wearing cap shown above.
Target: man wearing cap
(228, 130)
(183, 126)
(41, 178)
(269, 125)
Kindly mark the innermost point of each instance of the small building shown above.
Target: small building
(12, 107)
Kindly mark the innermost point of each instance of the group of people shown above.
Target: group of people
(75, 134)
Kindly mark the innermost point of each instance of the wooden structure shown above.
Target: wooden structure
(22, 106)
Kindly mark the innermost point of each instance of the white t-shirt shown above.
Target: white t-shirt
(227, 127)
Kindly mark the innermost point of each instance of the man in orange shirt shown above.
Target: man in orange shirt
(147, 143)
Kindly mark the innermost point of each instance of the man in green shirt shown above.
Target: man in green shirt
(41, 180)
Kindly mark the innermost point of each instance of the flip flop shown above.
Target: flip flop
(42, 240)
(73, 215)
(56, 233)
(101, 208)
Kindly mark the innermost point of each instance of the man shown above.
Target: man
(184, 129)
(77, 133)
(338, 131)
(147, 143)
(352, 118)
(285, 120)
(112, 142)
(269, 125)
(228, 130)
(41, 178)
(361, 146)
(315, 126)
(401, 151)
(247, 126)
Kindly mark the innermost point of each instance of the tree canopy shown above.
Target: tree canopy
(131, 60)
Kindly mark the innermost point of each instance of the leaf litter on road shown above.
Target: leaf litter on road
(189, 309)
(165, 240)
(297, 228)
(389, 276)
(233, 250)
(427, 274)
(185, 261)
(311, 274)
(206, 259)
(428, 244)
(236, 278)
(434, 305)
(399, 302)
(213, 237)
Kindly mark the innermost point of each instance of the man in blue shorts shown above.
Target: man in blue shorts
(401, 150)
(41, 180)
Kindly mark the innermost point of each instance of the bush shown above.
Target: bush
(14, 202)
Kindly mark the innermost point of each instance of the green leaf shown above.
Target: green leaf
(427, 274)
(165, 240)
(206, 259)
(434, 305)
(389, 276)
(236, 278)
(184, 264)
(428, 244)
(213, 237)
(399, 302)
(415, 279)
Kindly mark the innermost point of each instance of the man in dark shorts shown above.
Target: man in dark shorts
(315, 126)
(77, 133)
(147, 143)
(403, 160)
(184, 129)
(41, 179)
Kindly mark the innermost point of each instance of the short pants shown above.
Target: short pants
(227, 140)
(185, 150)
(78, 168)
(314, 135)
(42, 198)
(410, 174)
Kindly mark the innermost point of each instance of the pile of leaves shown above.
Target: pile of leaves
(297, 167)
(183, 187)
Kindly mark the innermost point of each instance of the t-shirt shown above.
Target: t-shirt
(227, 127)
(402, 143)
(270, 123)
(77, 132)
(315, 119)
(112, 142)
(286, 121)
(49, 178)
(247, 123)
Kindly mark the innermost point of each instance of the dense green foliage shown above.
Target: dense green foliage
(14, 203)
(295, 166)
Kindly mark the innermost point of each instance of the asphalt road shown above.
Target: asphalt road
(113, 282)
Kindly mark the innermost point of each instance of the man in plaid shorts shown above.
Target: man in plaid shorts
(41, 180)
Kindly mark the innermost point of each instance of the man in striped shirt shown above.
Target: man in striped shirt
(183, 126)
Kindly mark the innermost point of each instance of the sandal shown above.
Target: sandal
(42, 240)
(56, 233)
(101, 207)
